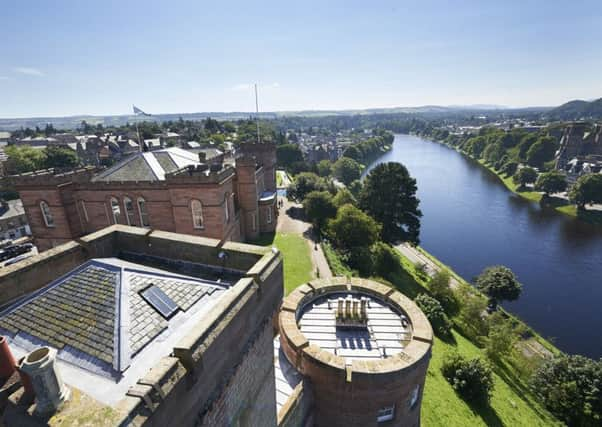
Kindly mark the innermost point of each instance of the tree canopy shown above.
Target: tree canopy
(525, 176)
(288, 154)
(304, 183)
(346, 170)
(319, 207)
(570, 387)
(551, 182)
(541, 151)
(499, 283)
(353, 228)
(60, 157)
(587, 190)
(389, 195)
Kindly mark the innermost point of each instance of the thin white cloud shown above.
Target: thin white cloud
(29, 71)
(244, 87)
(4, 78)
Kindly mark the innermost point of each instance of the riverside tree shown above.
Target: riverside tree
(587, 190)
(353, 228)
(525, 176)
(389, 196)
(551, 182)
(499, 284)
(305, 183)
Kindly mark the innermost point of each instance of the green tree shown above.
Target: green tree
(501, 337)
(304, 183)
(60, 157)
(439, 286)
(509, 168)
(352, 228)
(587, 190)
(525, 176)
(344, 197)
(433, 310)
(386, 262)
(551, 182)
(324, 167)
(24, 159)
(499, 284)
(389, 195)
(319, 207)
(541, 151)
(355, 188)
(287, 154)
(472, 311)
(346, 170)
(570, 387)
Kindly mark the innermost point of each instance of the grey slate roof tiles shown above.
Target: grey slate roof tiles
(80, 311)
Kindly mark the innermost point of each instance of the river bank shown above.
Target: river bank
(560, 205)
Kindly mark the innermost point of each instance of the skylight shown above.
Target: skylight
(159, 301)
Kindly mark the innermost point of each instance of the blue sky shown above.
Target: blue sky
(91, 57)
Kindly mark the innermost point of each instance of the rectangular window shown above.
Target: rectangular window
(84, 211)
(385, 414)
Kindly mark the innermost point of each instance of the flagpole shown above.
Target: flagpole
(257, 115)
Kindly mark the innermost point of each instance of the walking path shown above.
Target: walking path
(291, 220)
(430, 267)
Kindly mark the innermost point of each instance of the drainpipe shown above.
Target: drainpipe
(50, 391)
(7, 361)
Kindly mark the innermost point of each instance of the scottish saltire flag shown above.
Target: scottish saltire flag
(139, 112)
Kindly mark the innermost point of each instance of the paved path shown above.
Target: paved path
(291, 220)
(415, 256)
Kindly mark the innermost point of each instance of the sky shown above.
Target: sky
(99, 57)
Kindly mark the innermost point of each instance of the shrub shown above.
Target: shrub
(435, 313)
(570, 387)
(440, 288)
(472, 379)
(386, 261)
(471, 312)
(501, 337)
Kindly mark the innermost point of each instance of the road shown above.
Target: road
(430, 267)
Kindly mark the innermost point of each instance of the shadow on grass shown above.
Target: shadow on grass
(487, 413)
(448, 339)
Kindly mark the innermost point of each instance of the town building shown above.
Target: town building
(13, 221)
(128, 326)
(351, 352)
(230, 196)
(580, 149)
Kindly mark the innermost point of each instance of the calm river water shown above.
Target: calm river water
(472, 221)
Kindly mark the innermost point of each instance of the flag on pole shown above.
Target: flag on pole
(139, 112)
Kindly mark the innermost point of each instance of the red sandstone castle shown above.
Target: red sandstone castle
(227, 197)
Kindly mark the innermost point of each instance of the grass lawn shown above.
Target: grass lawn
(296, 257)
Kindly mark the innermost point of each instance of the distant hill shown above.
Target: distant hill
(576, 110)
(72, 122)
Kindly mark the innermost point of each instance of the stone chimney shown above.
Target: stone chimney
(202, 156)
(50, 391)
(7, 361)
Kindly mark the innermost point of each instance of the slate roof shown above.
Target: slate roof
(149, 166)
(95, 315)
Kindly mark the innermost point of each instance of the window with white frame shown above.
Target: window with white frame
(144, 221)
(414, 396)
(130, 214)
(84, 210)
(115, 209)
(227, 207)
(385, 414)
(46, 214)
(196, 208)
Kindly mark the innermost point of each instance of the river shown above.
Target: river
(472, 221)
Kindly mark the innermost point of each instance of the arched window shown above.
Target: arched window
(115, 209)
(48, 218)
(144, 222)
(227, 207)
(197, 213)
(130, 215)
